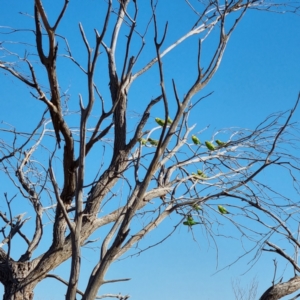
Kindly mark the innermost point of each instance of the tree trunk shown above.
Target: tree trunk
(281, 289)
(13, 292)
(13, 273)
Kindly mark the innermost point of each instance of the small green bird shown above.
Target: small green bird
(160, 122)
(143, 141)
(196, 176)
(190, 221)
(220, 143)
(201, 174)
(222, 210)
(195, 140)
(196, 207)
(153, 142)
(210, 146)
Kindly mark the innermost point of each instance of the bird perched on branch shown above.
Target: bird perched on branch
(222, 210)
(161, 122)
(196, 207)
(220, 143)
(143, 141)
(201, 173)
(153, 142)
(195, 140)
(210, 146)
(190, 221)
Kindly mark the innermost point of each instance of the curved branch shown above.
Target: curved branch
(281, 289)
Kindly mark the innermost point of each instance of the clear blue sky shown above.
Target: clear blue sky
(259, 75)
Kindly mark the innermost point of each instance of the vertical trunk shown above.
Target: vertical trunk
(120, 124)
(12, 275)
(13, 292)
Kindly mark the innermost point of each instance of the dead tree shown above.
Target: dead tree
(162, 170)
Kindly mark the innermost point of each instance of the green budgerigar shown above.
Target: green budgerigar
(190, 221)
(153, 142)
(195, 140)
(196, 176)
(220, 143)
(210, 146)
(196, 207)
(160, 122)
(201, 174)
(222, 210)
(143, 141)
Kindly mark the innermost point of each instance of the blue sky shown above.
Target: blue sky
(259, 75)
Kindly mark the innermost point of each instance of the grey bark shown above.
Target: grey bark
(281, 289)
